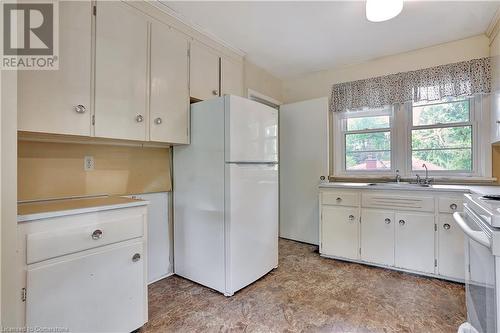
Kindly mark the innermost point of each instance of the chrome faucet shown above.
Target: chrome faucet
(427, 180)
(398, 177)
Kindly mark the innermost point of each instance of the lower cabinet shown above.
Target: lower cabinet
(414, 248)
(340, 230)
(416, 234)
(377, 236)
(75, 291)
(451, 247)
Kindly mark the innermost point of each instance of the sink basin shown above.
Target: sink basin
(399, 185)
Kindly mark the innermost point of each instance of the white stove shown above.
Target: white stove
(488, 209)
(480, 223)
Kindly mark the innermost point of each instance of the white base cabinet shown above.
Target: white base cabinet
(85, 272)
(340, 231)
(451, 247)
(414, 246)
(377, 236)
(97, 292)
(392, 229)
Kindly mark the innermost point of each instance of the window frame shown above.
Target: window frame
(473, 123)
(341, 123)
(401, 121)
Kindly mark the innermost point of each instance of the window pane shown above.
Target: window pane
(364, 123)
(368, 151)
(445, 113)
(379, 160)
(443, 159)
(448, 137)
(368, 141)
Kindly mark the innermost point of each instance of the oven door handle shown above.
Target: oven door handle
(478, 236)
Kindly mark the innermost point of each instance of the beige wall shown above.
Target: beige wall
(318, 84)
(258, 79)
(55, 170)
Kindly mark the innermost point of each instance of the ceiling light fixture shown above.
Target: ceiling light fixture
(383, 10)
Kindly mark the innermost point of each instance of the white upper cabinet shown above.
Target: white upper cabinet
(121, 72)
(204, 72)
(58, 101)
(169, 104)
(231, 77)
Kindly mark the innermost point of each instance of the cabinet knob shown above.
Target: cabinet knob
(402, 222)
(80, 108)
(139, 118)
(158, 121)
(387, 220)
(351, 217)
(97, 234)
(446, 226)
(498, 121)
(136, 257)
(215, 92)
(338, 200)
(453, 206)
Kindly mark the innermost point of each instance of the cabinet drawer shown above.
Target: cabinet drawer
(451, 205)
(340, 198)
(50, 244)
(398, 202)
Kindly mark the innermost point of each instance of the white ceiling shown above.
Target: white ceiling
(293, 38)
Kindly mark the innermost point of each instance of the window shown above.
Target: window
(448, 136)
(367, 140)
(441, 136)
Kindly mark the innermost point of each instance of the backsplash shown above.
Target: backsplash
(55, 170)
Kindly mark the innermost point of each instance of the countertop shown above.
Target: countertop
(475, 189)
(37, 210)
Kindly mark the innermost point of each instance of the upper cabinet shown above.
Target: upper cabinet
(231, 77)
(204, 72)
(121, 72)
(58, 101)
(169, 102)
(135, 84)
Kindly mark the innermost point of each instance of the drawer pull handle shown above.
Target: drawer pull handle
(136, 257)
(97, 234)
(453, 206)
(387, 221)
(402, 222)
(446, 226)
(351, 217)
(338, 199)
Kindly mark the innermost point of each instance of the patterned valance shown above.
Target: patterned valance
(429, 84)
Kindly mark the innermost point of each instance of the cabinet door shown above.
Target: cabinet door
(415, 241)
(204, 72)
(48, 99)
(377, 236)
(451, 246)
(169, 104)
(120, 72)
(100, 292)
(340, 231)
(231, 77)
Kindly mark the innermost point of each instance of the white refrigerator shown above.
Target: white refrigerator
(226, 194)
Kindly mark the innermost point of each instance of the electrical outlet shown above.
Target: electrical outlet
(88, 163)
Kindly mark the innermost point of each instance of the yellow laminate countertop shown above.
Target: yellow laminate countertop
(37, 210)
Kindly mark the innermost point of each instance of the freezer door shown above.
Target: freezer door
(251, 131)
(251, 223)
